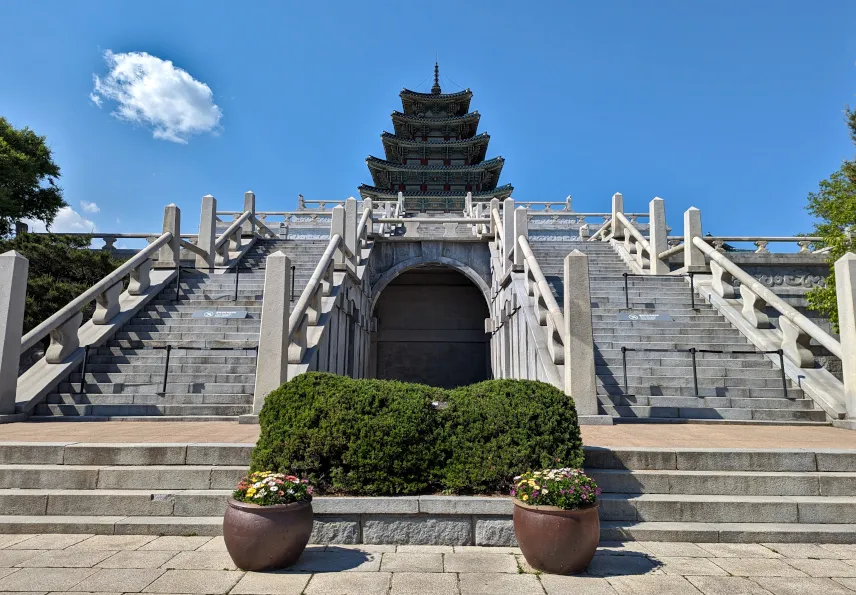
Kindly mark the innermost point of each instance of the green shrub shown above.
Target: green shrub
(497, 429)
(377, 437)
(363, 437)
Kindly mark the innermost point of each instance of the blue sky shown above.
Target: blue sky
(733, 106)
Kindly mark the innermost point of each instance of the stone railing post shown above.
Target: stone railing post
(509, 239)
(169, 256)
(617, 207)
(468, 205)
(845, 288)
(521, 228)
(207, 232)
(272, 361)
(351, 241)
(249, 226)
(337, 226)
(13, 296)
(568, 203)
(580, 382)
(494, 206)
(693, 257)
(657, 236)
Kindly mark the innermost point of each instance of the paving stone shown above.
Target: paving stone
(10, 558)
(176, 544)
(689, 566)
(338, 560)
(47, 579)
(263, 583)
(626, 548)
(652, 585)
(65, 559)
(356, 583)
(405, 562)
(214, 545)
(802, 586)
(463, 549)
(823, 568)
(672, 549)
(212, 582)
(7, 540)
(24, 592)
(801, 550)
(738, 550)
(726, 585)
(137, 559)
(491, 583)
(473, 562)
(363, 547)
(756, 567)
(555, 584)
(201, 561)
(118, 580)
(422, 583)
(850, 583)
(50, 541)
(426, 549)
(841, 550)
(622, 565)
(7, 571)
(113, 542)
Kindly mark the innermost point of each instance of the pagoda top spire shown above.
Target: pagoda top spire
(435, 90)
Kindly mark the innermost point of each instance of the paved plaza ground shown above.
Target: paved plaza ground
(134, 563)
(641, 435)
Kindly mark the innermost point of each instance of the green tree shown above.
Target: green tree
(834, 204)
(28, 176)
(61, 268)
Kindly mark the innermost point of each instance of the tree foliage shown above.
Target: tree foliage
(834, 204)
(28, 176)
(60, 269)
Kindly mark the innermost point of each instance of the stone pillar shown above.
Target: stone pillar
(845, 288)
(508, 240)
(207, 232)
(494, 205)
(468, 204)
(580, 382)
(521, 228)
(169, 255)
(249, 227)
(657, 236)
(13, 295)
(272, 362)
(617, 207)
(693, 257)
(337, 226)
(351, 222)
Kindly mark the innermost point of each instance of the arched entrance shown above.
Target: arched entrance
(430, 329)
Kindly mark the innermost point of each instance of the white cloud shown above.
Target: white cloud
(155, 93)
(67, 221)
(89, 207)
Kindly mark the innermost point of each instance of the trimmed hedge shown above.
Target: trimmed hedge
(379, 437)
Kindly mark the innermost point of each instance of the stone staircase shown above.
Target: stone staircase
(731, 387)
(652, 494)
(212, 361)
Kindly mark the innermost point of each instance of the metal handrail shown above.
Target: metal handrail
(75, 305)
(312, 286)
(543, 286)
(232, 229)
(771, 298)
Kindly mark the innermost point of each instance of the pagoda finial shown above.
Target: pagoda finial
(435, 90)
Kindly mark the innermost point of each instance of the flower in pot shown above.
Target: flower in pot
(268, 521)
(555, 519)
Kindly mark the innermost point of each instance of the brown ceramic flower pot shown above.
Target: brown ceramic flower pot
(266, 537)
(555, 540)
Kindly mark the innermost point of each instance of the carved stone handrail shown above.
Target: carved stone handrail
(804, 242)
(106, 292)
(794, 345)
(601, 233)
(230, 240)
(547, 309)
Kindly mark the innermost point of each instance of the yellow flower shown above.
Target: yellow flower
(251, 491)
(524, 497)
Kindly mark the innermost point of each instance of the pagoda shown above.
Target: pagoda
(435, 154)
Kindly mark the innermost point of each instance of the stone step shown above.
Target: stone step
(681, 381)
(157, 357)
(113, 411)
(114, 366)
(159, 399)
(666, 330)
(92, 477)
(613, 386)
(174, 376)
(725, 413)
(151, 344)
(683, 343)
(715, 402)
(682, 368)
(107, 388)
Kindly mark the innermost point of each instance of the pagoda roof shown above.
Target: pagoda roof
(367, 191)
(382, 164)
(484, 137)
(466, 93)
(399, 119)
